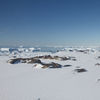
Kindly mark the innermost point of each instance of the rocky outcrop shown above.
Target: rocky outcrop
(52, 65)
(44, 57)
(48, 65)
(36, 60)
(67, 65)
(97, 64)
(24, 60)
(80, 70)
(55, 57)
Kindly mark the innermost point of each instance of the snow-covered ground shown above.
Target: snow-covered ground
(26, 82)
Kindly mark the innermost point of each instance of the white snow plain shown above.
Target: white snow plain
(25, 82)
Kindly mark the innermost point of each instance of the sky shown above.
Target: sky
(49, 22)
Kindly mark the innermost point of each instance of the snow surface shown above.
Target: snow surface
(25, 82)
(4, 49)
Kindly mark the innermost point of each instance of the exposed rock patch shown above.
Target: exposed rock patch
(36, 60)
(24, 60)
(52, 65)
(48, 65)
(97, 64)
(67, 65)
(80, 70)
(83, 51)
(98, 57)
(32, 61)
(56, 58)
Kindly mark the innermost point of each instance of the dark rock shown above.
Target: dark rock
(37, 57)
(97, 64)
(44, 57)
(74, 59)
(48, 57)
(67, 65)
(24, 60)
(52, 65)
(98, 57)
(55, 65)
(33, 60)
(14, 61)
(65, 58)
(71, 50)
(80, 70)
(54, 57)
